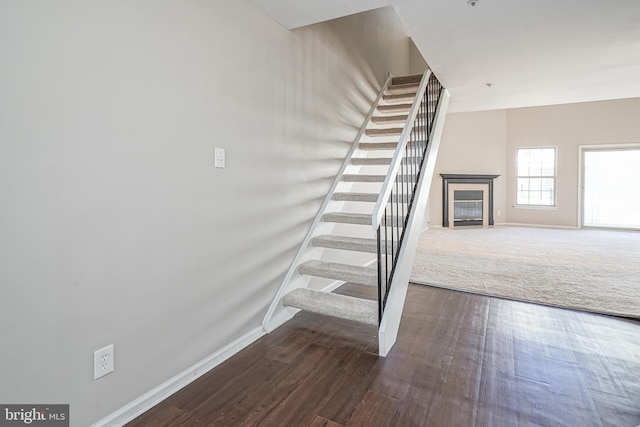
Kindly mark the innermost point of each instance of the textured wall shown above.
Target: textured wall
(115, 227)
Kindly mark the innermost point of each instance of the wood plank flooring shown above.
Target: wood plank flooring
(460, 360)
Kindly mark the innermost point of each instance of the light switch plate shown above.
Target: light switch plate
(220, 159)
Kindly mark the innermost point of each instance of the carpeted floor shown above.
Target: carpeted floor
(590, 270)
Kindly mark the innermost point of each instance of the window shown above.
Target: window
(536, 176)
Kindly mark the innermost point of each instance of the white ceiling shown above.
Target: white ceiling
(298, 13)
(536, 52)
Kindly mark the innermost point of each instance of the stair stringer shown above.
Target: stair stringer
(277, 314)
(390, 323)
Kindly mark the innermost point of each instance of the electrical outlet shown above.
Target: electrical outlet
(103, 362)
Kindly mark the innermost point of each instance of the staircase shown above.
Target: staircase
(359, 234)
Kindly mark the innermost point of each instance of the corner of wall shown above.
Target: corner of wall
(417, 63)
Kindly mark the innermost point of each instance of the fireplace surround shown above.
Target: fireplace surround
(472, 203)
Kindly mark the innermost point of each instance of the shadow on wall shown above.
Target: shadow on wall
(323, 126)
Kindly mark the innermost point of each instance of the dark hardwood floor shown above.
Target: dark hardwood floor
(460, 360)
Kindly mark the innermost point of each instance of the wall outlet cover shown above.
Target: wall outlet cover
(103, 362)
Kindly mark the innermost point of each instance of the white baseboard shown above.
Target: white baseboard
(151, 398)
(279, 319)
(518, 224)
(562, 227)
(333, 286)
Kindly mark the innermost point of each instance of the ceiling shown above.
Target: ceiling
(536, 52)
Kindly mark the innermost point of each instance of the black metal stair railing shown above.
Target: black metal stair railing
(390, 233)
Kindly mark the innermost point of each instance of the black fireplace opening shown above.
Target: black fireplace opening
(467, 207)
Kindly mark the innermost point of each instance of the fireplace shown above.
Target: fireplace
(468, 205)
(467, 200)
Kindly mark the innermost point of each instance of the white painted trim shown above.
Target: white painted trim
(148, 400)
(517, 224)
(284, 287)
(484, 187)
(537, 207)
(555, 178)
(580, 185)
(581, 151)
(280, 318)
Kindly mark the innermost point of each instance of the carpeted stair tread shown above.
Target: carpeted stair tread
(394, 108)
(370, 178)
(384, 132)
(347, 218)
(370, 146)
(365, 197)
(363, 178)
(402, 88)
(415, 78)
(356, 197)
(383, 120)
(338, 271)
(379, 161)
(399, 98)
(357, 219)
(356, 244)
(370, 161)
(391, 131)
(348, 243)
(334, 305)
(401, 103)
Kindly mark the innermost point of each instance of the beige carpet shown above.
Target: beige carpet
(589, 270)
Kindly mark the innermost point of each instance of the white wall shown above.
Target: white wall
(115, 227)
(566, 127)
(417, 64)
(472, 143)
(486, 142)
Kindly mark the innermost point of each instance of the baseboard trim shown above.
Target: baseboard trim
(333, 286)
(517, 224)
(153, 397)
(280, 319)
(561, 227)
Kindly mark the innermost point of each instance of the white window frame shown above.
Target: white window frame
(581, 175)
(553, 204)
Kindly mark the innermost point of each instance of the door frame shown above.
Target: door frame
(581, 172)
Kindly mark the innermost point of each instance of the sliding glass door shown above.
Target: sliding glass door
(611, 183)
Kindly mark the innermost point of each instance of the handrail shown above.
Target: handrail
(305, 243)
(387, 186)
(398, 203)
